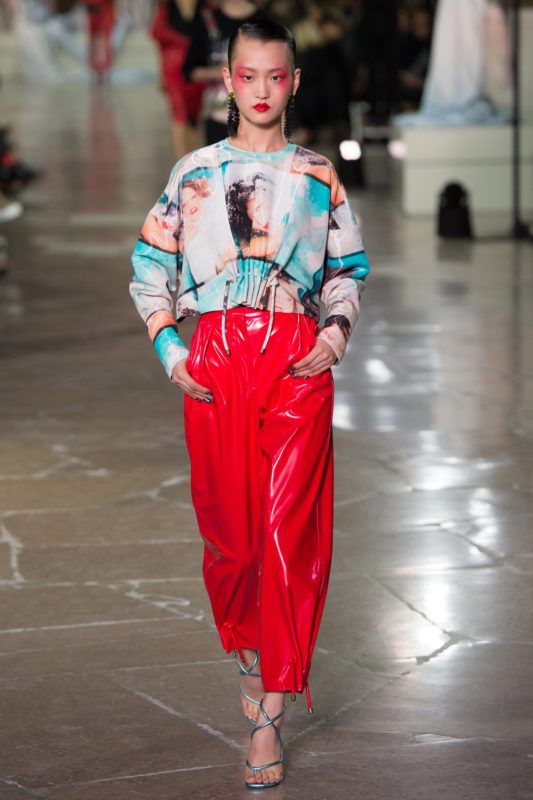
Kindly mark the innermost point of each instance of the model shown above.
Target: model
(171, 28)
(213, 26)
(252, 232)
(101, 17)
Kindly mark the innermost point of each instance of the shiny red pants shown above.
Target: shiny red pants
(262, 487)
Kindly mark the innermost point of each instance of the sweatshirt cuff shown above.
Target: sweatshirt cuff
(169, 349)
(333, 335)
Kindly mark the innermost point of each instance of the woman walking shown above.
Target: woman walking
(252, 231)
(213, 25)
(172, 28)
(101, 17)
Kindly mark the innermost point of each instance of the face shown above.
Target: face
(421, 24)
(190, 202)
(262, 79)
(257, 207)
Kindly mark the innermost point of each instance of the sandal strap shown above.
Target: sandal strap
(251, 699)
(270, 721)
(248, 670)
(264, 766)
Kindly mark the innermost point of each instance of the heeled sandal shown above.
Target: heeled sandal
(270, 721)
(248, 671)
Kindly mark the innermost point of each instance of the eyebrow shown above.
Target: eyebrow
(276, 69)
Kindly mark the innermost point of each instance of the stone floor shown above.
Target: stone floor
(113, 683)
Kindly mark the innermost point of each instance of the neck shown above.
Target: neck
(261, 140)
(186, 8)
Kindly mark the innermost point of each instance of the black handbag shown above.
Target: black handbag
(454, 213)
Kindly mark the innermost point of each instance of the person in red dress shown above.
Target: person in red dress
(171, 29)
(101, 14)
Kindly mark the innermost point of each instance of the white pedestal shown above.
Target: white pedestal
(478, 157)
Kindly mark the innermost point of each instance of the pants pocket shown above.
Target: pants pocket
(198, 348)
(311, 329)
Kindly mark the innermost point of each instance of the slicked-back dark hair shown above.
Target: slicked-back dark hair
(264, 31)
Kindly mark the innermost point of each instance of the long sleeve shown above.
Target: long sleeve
(156, 263)
(345, 270)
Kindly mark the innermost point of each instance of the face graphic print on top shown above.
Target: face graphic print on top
(197, 196)
(256, 204)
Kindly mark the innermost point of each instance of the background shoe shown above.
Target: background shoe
(4, 267)
(15, 177)
(9, 209)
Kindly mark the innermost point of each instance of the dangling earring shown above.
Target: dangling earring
(288, 124)
(233, 115)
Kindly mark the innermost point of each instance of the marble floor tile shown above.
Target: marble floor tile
(470, 690)
(428, 550)
(70, 728)
(463, 601)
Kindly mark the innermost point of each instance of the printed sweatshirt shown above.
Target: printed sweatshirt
(233, 227)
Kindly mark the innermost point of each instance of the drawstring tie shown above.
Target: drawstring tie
(270, 282)
(274, 283)
(308, 697)
(224, 310)
(229, 626)
(307, 691)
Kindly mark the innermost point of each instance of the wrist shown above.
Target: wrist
(335, 339)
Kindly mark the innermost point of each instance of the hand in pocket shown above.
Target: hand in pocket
(318, 360)
(182, 378)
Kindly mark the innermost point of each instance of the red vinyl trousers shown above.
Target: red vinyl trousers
(262, 486)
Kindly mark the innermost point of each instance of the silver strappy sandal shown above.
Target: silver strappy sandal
(248, 671)
(270, 721)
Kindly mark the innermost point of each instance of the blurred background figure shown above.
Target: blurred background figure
(107, 33)
(172, 29)
(140, 12)
(15, 175)
(414, 45)
(286, 12)
(101, 21)
(212, 27)
(9, 209)
(380, 35)
(322, 102)
(43, 29)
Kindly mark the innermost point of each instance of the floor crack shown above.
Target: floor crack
(15, 549)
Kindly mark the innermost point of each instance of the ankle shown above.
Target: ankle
(250, 654)
(273, 702)
(251, 659)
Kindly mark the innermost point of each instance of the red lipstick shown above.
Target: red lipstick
(261, 107)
